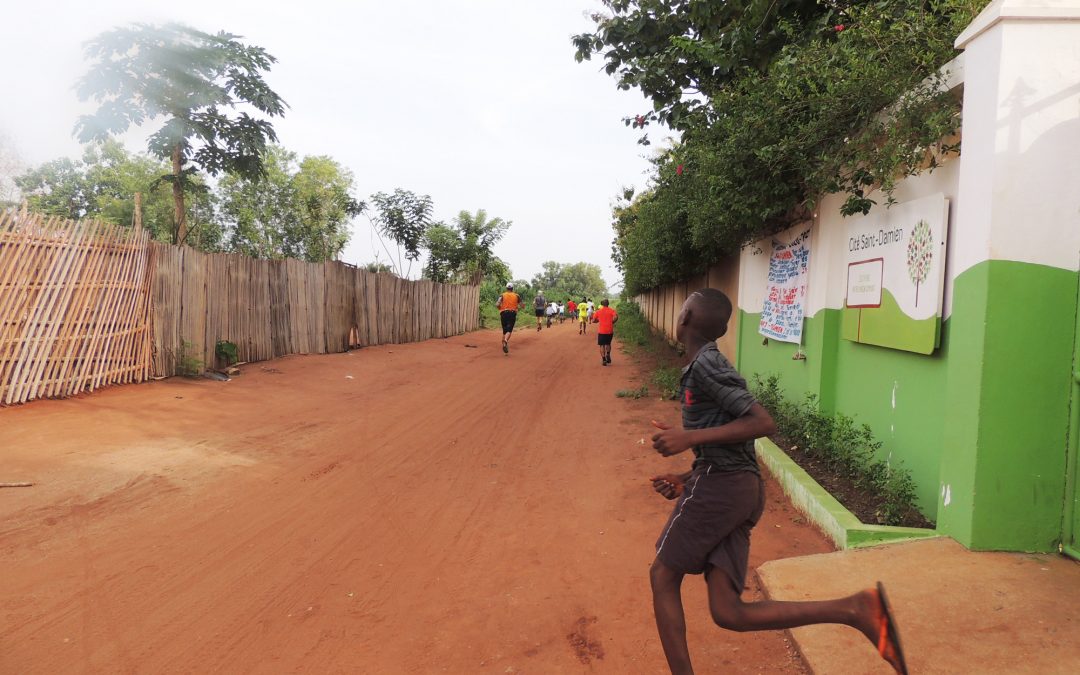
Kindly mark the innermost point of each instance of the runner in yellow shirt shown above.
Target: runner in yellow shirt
(583, 316)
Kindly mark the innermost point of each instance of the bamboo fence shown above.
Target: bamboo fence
(271, 308)
(87, 304)
(74, 306)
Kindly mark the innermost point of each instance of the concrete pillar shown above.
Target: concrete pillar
(1015, 254)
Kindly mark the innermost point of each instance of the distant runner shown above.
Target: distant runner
(583, 316)
(508, 304)
(606, 317)
(540, 305)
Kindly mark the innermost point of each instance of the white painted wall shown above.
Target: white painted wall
(829, 246)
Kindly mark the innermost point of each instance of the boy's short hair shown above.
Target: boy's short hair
(716, 313)
(604, 302)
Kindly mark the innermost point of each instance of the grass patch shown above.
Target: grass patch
(489, 315)
(640, 392)
(188, 362)
(667, 380)
(659, 360)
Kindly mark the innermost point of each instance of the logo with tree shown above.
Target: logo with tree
(920, 254)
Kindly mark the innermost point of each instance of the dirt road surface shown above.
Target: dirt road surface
(416, 508)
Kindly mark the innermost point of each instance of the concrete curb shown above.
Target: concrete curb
(839, 524)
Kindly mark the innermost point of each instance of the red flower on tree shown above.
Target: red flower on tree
(839, 27)
(678, 170)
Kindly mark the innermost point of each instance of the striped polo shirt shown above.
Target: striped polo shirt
(713, 394)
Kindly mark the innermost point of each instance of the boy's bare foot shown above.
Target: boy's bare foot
(876, 623)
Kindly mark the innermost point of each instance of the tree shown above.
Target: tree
(464, 252)
(404, 217)
(296, 210)
(102, 185)
(323, 192)
(379, 267)
(191, 80)
(57, 188)
(920, 253)
(681, 52)
(574, 280)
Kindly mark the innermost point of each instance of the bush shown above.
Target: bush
(227, 352)
(633, 329)
(844, 447)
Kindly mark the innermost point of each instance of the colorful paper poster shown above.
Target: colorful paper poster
(785, 296)
(895, 275)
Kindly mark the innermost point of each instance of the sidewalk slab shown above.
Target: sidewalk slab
(959, 611)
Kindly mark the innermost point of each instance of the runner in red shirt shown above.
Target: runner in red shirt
(606, 317)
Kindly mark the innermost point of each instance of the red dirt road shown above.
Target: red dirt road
(409, 508)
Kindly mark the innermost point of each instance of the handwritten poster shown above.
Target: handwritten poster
(782, 314)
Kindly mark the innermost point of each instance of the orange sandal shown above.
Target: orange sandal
(889, 636)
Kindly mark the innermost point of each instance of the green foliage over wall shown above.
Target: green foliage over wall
(838, 97)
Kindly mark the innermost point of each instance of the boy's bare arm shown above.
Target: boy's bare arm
(757, 422)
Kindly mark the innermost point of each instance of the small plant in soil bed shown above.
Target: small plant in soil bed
(842, 456)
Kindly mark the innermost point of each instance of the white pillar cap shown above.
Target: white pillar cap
(1018, 10)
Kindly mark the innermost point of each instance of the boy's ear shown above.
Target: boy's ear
(685, 316)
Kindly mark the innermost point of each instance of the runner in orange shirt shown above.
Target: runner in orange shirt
(509, 303)
(606, 317)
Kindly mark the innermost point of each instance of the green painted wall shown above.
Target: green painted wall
(772, 357)
(983, 418)
(901, 395)
(1022, 403)
(858, 380)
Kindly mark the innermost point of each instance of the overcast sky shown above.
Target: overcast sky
(478, 103)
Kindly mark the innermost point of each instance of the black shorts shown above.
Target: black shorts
(711, 522)
(540, 313)
(604, 338)
(508, 318)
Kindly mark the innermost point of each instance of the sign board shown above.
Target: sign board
(785, 293)
(896, 275)
(864, 282)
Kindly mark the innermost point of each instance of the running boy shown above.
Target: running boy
(721, 498)
(606, 317)
(509, 303)
(583, 316)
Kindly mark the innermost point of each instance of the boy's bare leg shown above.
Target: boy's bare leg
(670, 619)
(860, 611)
